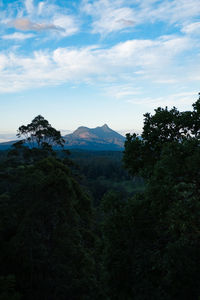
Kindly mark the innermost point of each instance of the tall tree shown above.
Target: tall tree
(40, 133)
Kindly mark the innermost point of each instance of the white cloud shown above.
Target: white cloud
(41, 7)
(109, 16)
(130, 60)
(147, 54)
(29, 6)
(122, 91)
(181, 100)
(114, 20)
(166, 80)
(47, 9)
(192, 28)
(3, 62)
(67, 23)
(17, 36)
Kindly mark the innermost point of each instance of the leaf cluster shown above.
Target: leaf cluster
(163, 127)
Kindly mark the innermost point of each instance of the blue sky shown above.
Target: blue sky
(90, 62)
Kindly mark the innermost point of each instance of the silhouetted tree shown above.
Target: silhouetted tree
(39, 133)
(165, 126)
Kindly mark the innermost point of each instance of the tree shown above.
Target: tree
(46, 233)
(164, 127)
(127, 236)
(173, 198)
(41, 134)
(152, 241)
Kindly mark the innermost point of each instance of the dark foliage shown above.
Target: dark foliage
(152, 241)
(39, 133)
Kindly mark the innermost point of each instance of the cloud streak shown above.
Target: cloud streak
(192, 28)
(109, 16)
(26, 25)
(17, 36)
(29, 6)
(182, 99)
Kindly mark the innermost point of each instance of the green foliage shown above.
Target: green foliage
(173, 194)
(47, 238)
(39, 132)
(165, 126)
(127, 237)
(7, 288)
(152, 241)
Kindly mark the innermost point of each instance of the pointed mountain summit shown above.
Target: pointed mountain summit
(105, 127)
(99, 138)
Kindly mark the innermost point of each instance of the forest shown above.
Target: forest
(103, 225)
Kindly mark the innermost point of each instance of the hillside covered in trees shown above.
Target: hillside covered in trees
(103, 225)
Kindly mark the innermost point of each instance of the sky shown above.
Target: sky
(91, 62)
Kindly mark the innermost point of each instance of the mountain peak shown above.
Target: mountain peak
(105, 128)
(101, 137)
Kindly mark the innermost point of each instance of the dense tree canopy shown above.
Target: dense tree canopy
(152, 241)
(46, 236)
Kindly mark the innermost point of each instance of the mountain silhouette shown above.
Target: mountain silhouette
(99, 138)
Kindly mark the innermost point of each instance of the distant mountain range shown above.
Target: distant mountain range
(99, 138)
